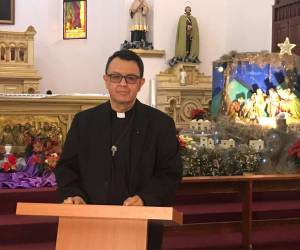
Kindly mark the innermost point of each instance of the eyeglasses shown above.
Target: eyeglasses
(129, 79)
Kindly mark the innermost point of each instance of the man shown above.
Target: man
(121, 152)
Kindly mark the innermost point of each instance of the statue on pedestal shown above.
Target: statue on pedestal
(187, 39)
(182, 77)
(138, 11)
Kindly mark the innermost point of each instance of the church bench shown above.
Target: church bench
(248, 208)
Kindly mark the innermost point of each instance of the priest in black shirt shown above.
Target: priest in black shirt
(121, 152)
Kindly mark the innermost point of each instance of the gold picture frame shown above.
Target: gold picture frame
(7, 12)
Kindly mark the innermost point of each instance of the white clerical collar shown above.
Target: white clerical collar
(121, 115)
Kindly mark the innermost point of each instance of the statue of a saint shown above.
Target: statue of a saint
(187, 39)
(138, 12)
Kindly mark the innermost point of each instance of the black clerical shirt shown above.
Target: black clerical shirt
(120, 138)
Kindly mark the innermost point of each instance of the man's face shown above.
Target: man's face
(123, 93)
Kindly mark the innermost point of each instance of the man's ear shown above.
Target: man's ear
(142, 81)
(105, 78)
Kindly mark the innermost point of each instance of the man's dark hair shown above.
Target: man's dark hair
(127, 55)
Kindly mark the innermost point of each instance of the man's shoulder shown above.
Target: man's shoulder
(154, 114)
(94, 110)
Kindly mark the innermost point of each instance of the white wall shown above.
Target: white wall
(212, 27)
(69, 66)
(249, 25)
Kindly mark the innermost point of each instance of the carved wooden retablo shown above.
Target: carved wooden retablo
(39, 115)
(17, 71)
(177, 99)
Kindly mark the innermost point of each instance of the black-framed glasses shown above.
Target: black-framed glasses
(129, 79)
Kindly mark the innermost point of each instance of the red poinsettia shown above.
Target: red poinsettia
(294, 150)
(10, 163)
(36, 159)
(12, 159)
(198, 114)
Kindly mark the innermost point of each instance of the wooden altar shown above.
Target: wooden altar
(44, 113)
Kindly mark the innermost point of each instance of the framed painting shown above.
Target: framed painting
(75, 20)
(7, 11)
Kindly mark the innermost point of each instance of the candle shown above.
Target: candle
(152, 93)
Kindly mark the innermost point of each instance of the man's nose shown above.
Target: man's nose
(123, 82)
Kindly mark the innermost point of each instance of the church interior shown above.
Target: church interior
(226, 71)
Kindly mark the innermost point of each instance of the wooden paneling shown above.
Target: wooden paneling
(286, 23)
(295, 33)
(280, 32)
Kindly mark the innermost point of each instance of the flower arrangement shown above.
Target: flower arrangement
(198, 114)
(34, 169)
(9, 164)
(43, 153)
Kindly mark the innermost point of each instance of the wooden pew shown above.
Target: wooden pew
(245, 186)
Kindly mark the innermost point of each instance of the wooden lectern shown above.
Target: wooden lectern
(91, 227)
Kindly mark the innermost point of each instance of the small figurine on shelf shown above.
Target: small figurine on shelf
(8, 148)
(182, 76)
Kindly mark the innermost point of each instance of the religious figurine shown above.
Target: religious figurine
(235, 108)
(248, 109)
(8, 148)
(138, 12)
(73, 15)
(182, 76)
(260, 103)
(187, 39)
(273, 104)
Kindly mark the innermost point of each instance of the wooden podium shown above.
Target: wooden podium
(91, 227)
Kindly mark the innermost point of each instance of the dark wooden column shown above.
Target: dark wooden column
(247, 199)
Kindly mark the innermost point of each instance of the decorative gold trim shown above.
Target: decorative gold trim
(149, 53)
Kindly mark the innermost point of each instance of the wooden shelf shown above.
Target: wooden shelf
(149, 53)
